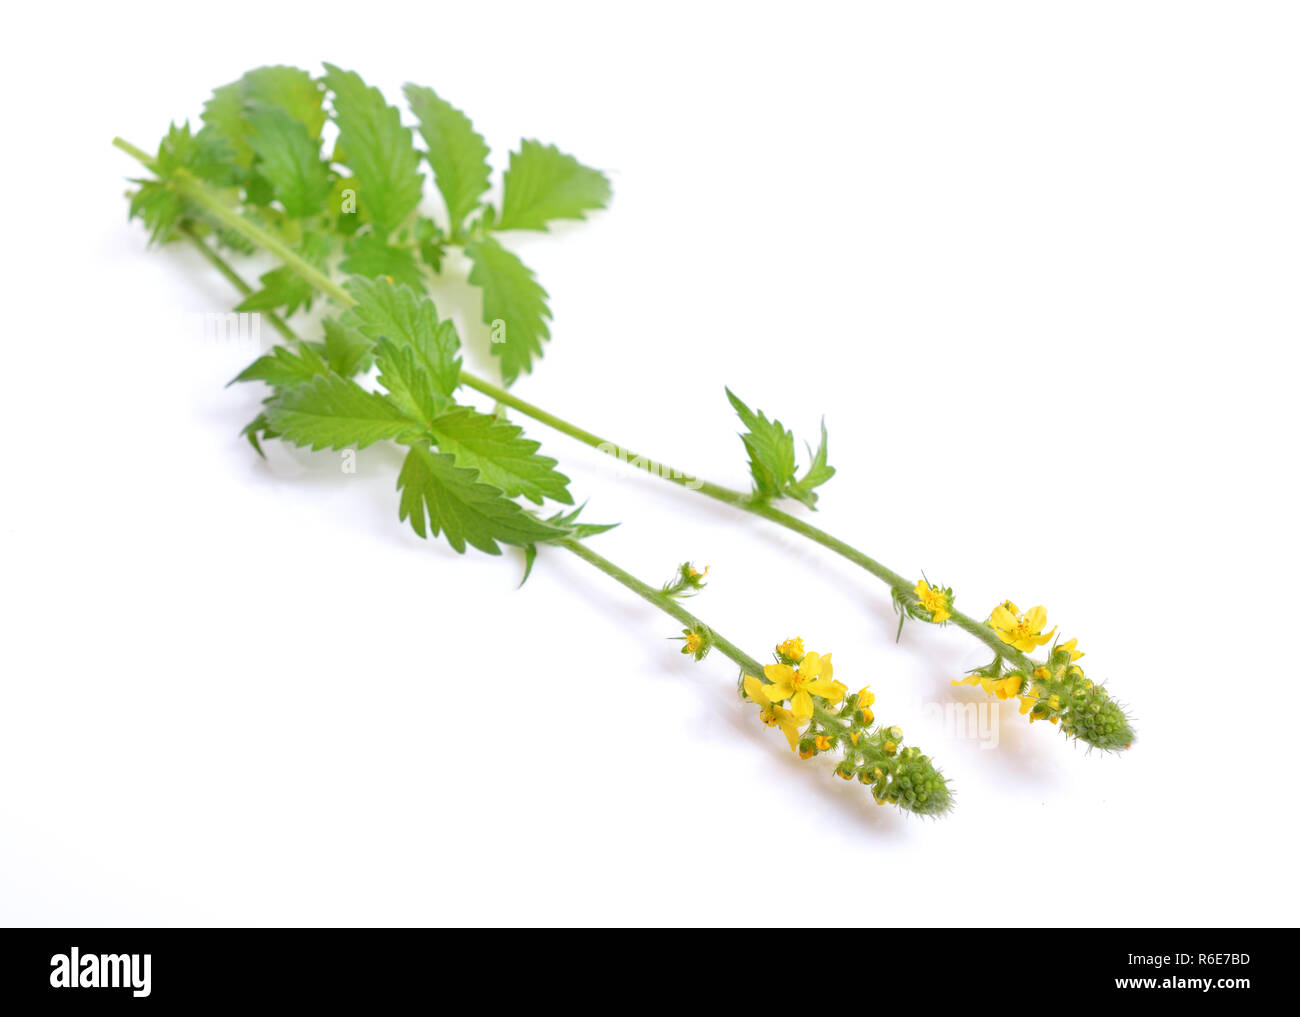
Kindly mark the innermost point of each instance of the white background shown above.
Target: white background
(1036, 263)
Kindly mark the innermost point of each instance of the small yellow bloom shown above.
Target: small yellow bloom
(806, 753)
(1023, 631)
(812, 678)
(1004, 687)
(791, 649)
(1070, 649)
(1042, 674)
(693, 573)
(773, 714)
(933, 600)
(866, 697)
(890, 748)
(693, 643)
(822, 742)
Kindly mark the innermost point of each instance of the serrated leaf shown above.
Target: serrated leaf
(335, 412)
(514, 306)
(283, 366)
(289, 160)
(371, 256)
(543, 184)
(377, 149)
(770, 447)
(817, 474)
(568, 521)
(407, 383)
(457, 153)
(440, 497)
(408, 319)
(287, 88)
(500, 453)
(159, 207)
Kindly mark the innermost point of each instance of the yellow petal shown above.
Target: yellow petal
(790, 729)
(802, 705)
(832, 691)
(755, 690)
(779, 673)
(779, 692)
(1002, 618)
(827, 670)
(921, 588)
(1036, 618)
(811, 665)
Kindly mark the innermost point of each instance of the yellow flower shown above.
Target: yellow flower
(693, 573)
(693, 642)
(813, 678)
(933, 600)
(1004, 687)
(773, 714)
(791, 649)
(1070, 649)
(1020, 630)
(822, 742)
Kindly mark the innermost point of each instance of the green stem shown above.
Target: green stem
(198, 193)
(665, 603)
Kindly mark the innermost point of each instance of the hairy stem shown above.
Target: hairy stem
(665, 603)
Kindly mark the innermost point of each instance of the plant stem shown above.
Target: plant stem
(197, 192)
(665, 603)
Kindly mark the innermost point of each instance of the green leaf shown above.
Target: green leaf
(401, 373)
(377, 149)
(568, 521)
(346, 350)
(334, 412)
(258, 429)
(369, 255)
(289, 160)
(284, 367)
(770, 447)
(514, 306)
(500, 453)
(408, 319)
(291, 89)
(431, 242)
(457, 153)
(440, 497)
(157, 206)
(543, 184)
(818, 473)
(286, 88)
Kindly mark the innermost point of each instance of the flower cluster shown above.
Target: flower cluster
(924, 602)
(820, 718)
(1057, 691)
(696, 641)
